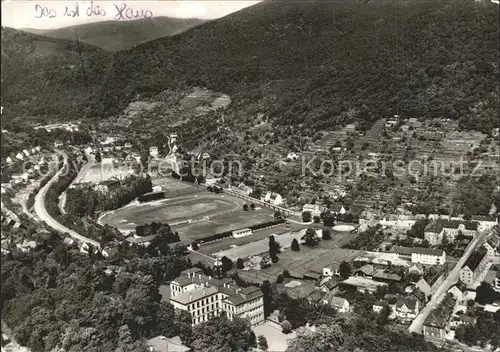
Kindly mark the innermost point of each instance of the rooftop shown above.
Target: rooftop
(417, 250)
(409, 302)
(439, 224)
(439, 317)
(475, 259)
(195, 295)
(362, 282)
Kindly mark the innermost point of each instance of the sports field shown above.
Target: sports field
(197, 215)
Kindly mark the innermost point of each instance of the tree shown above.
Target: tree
(286, 274)
(316, 219)
(274, 247)
(306, 216)
(485, 294)
(194, 246)
(262, 343)
(344, 270)
(277, 215)
(245, 207)
(221, 334)
(240, 264)
(279, 279)
(327, 234)
(252, 206)
(310, 238)
(227, 264)
(295, 245)
(286, 327)
(267, 292)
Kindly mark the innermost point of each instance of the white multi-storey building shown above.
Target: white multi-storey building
(314, 209)
(205, 297)
(421, 255)
(242, 232)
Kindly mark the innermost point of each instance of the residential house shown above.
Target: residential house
(58, 144)
(9, 160)
(462, 319)
(20, 156)
(492, 245)
(315, 297)
(244, 189)
(474, 265)
(416, 269)
(341, 305)
(459, 291)
(162, 344)
(497, 281)
(327, 284)
(378, 306)
(292, 156)
(242, 232)
(485, 222)
(26, 153)
(314, 209)
(436, 325)
(437, 229)
(273, 198)
(153, 151)
(406, 308)
(331, 270)
(420, 255)
(338, 209)
(431, 280)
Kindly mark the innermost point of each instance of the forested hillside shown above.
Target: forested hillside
(312, 62)
(322, 63)
(48, 77)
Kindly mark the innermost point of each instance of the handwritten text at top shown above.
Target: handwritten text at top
(121, 11)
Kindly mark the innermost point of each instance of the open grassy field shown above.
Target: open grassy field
(229, 221)
(297, 263)
(207, 213)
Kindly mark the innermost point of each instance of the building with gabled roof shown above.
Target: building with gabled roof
(437, 229)
(492, 245)
(340, 304)
(420, 255)
(474, 265)
(436, 324)
(273, 198)
(406, 308)
(485, 222)
(205, 297)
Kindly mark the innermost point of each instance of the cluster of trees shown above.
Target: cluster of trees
(160, 229)
(486, 331)
(85, 201)
(367, 240)
(476, 195)
(56, 298)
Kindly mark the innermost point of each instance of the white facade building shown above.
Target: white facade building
(204, 297)
(242, 232)
(314, 209)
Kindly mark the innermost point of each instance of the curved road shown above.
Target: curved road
(42, 213)
(453, 277)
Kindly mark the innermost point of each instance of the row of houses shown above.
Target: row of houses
(22, 155)
(451, 228)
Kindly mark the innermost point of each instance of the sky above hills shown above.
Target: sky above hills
(32, 14)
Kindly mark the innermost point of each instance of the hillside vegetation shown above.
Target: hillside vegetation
(120, 35)
(44, 77)
(321, 63)
(312, 62)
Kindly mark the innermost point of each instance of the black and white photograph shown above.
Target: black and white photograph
(250, 176)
